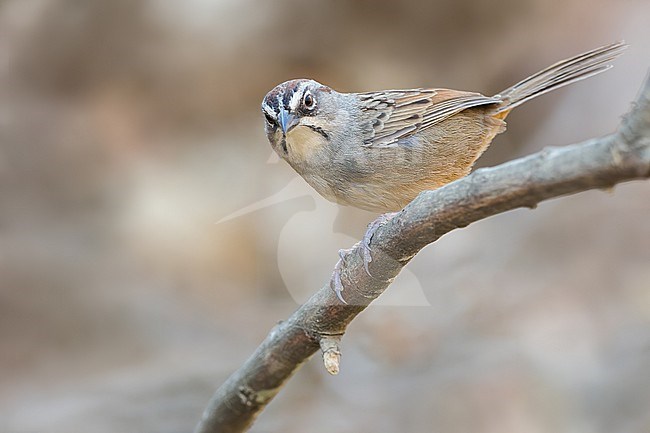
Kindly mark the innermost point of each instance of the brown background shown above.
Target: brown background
(128, 128)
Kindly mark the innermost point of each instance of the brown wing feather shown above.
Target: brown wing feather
(394, 115)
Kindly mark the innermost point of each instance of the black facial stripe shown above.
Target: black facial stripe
(308, 113)
(271, 120)
(319, 131)
(272, 104)
(271, 98)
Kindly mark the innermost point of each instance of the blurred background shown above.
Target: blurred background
(129, 128)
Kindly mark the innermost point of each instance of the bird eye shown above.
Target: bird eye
(308, 101)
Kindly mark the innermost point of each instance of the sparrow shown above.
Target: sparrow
(378, 150)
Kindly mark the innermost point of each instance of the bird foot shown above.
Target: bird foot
(335, 283)
(367, 237)
(366, 253)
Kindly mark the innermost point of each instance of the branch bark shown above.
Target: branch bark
(321, 321)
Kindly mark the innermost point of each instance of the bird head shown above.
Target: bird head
(299, 118)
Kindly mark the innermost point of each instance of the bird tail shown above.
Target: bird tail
(560, 74)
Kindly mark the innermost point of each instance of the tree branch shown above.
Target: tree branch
(322, 320)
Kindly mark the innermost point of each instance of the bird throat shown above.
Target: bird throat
(305, 145)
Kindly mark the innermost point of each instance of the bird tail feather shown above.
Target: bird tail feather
(560, 74)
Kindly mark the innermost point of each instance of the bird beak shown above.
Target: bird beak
(287, 120)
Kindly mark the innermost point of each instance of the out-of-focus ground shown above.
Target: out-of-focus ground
(129, 128)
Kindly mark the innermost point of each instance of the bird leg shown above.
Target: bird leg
(366, 253)
(335, 283)
(367, 237)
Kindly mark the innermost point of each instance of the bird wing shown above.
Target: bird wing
(392, 115)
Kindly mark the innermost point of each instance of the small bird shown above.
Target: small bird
(378, 150)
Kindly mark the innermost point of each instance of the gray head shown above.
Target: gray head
(300, 115)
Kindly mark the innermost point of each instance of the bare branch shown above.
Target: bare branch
(322, 320)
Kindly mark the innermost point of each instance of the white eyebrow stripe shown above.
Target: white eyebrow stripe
(268, 110)
(296, 97)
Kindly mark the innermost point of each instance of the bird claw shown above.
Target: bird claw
(335, 283)
(365, 252)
